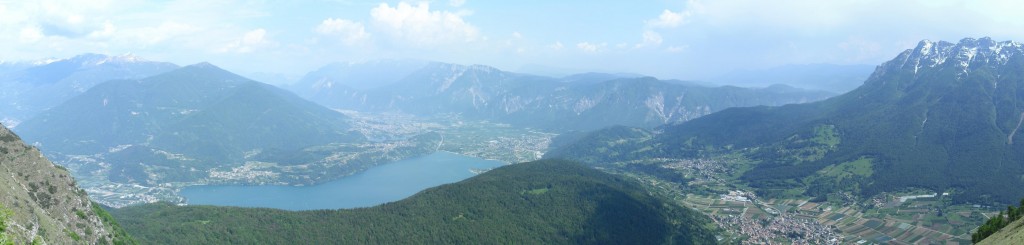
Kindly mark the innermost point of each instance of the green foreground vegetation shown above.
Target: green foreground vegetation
(4, 214)
(542, 202)
(997, 223)
(1013, 233)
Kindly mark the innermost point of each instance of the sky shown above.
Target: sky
(681, 39)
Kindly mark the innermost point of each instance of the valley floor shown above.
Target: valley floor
(393, 137)
(893, 218)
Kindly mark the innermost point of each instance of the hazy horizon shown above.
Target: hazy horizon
(689, 40)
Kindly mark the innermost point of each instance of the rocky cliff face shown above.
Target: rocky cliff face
(45, 204)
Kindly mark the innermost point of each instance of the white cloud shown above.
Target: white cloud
(151, 35)
(669, 19)
(74, 19)
(176, 28)
(651, 39)
(556, 46)
(349, 32)
(30, 34)
(35, 21)
(418, 25)
(590, 47)
(252, 40)
(253, 37)
(107, 31)
(456, 3)
(677, 49)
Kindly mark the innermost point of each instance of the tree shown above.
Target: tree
(1020, 210)
(1011, 214)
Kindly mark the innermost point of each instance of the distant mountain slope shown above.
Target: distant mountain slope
(36, 87)
(45, 204)
(329, 84)
(579, 102)
(183, 122)
(596, 77)
(544, 202)
(827, 77)
(14, 66)
(643, 102)
(941, 116)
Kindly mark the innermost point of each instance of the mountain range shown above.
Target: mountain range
(184, 122)
(32, 87)
(578, 102)
(941, 116)
(322, 82)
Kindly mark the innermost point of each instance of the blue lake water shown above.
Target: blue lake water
(381, 184)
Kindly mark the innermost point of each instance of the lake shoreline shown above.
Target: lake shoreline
(377, 185)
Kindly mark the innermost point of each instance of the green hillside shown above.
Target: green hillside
(543, 202)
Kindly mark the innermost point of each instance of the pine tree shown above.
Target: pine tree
(1011, 214)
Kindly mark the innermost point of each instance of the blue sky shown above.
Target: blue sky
(685, 39)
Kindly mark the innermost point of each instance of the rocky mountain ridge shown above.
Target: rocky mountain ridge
(578, 102)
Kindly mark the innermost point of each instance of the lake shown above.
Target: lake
(381, 184)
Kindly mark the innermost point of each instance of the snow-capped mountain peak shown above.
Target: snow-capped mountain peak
(962, 55)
